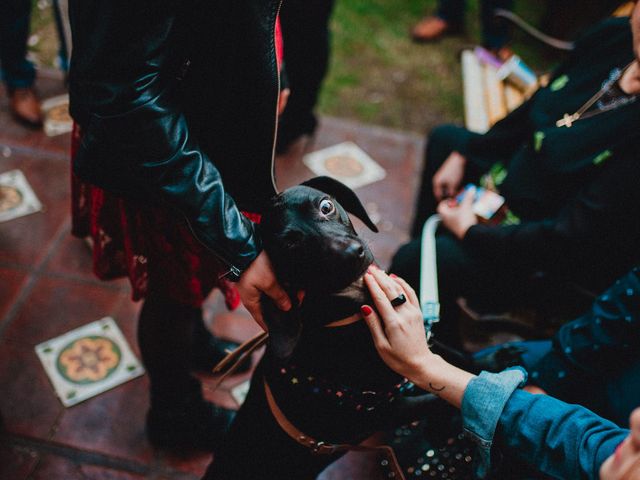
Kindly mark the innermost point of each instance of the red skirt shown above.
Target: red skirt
(147, 244)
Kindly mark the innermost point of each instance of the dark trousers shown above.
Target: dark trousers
(168, 335)
(16, 70)
(487, 285)
(612, 396)
(495, 31)
(305, 32)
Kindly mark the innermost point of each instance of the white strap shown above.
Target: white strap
(429, 298)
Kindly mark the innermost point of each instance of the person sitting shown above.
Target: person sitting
(16, 71)
(566, 163)
(555, 438)
(592, 361)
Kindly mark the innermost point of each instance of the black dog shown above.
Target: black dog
(329, 381)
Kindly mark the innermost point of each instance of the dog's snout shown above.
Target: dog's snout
(355, 248)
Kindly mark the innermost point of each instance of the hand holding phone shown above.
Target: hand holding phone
(486, 203)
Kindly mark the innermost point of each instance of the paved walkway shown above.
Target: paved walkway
(47, 288)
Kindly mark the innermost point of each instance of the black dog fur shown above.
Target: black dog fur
(313, 247)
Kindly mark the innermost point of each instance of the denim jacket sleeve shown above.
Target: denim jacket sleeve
(558, 439)
(482, 404)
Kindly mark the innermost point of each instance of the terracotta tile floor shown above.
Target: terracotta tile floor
(46, 289)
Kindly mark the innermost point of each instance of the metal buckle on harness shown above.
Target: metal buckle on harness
(321, 448)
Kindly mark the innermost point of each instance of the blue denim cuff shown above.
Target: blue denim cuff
(482, 404)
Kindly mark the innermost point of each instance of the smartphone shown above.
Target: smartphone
(485, 203)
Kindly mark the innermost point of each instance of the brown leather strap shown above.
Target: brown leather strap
(232, 361)
(323, 448)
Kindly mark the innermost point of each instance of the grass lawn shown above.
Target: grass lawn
(377, 75)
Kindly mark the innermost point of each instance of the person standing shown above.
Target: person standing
(305, 27)
(18, 73)
(449, 18)
(169, 99)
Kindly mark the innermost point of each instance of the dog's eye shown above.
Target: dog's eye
(327, 207)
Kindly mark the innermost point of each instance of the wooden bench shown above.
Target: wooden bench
(487, 99)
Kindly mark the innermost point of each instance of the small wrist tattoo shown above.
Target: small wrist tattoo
(436, 389)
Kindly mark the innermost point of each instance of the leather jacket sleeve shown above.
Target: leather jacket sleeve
(125, 93)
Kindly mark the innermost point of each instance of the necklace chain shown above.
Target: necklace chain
(568, 120)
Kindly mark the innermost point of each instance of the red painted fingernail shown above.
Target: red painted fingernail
(393, 275)
(366, 310)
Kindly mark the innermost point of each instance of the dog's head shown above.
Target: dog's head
(313, 247)
(310, 239)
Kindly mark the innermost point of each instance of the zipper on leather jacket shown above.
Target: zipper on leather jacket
(233, 274)
(275, 130)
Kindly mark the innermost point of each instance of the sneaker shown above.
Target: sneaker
(193, 425)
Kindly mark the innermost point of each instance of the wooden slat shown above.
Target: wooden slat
(475, 112)
(513, 97)
(494, 94)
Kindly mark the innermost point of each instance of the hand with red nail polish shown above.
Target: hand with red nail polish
(398, 333)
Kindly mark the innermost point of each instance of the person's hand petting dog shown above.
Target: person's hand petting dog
(458, 218)
(400, 338)
(260, 278)
(448, 179)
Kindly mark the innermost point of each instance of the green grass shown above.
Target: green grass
(377, 75)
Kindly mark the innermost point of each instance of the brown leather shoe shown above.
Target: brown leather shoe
(431, 28)
(25, 107)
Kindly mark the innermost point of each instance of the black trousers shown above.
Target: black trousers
(15, 69)
(168, 334)
(487, 285)
(305, 32)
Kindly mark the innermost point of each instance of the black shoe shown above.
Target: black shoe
(208, 350)
(193, 425)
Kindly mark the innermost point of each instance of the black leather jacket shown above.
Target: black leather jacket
(172, 97)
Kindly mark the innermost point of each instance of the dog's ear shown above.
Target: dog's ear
(284, 328)
(347, 197)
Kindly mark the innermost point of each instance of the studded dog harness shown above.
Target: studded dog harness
(318, 447)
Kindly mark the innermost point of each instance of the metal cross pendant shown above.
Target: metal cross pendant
(567, 120)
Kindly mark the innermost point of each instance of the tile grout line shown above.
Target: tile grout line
(33, 277)
(87, 457)
(77, 455)
(34, 152)
(64, 276)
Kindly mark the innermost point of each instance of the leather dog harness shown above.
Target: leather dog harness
(231, 362)
(319, 447)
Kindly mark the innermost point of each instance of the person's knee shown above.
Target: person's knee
(445, 136)
(442, 140)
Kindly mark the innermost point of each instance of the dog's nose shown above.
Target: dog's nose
(355, 248)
